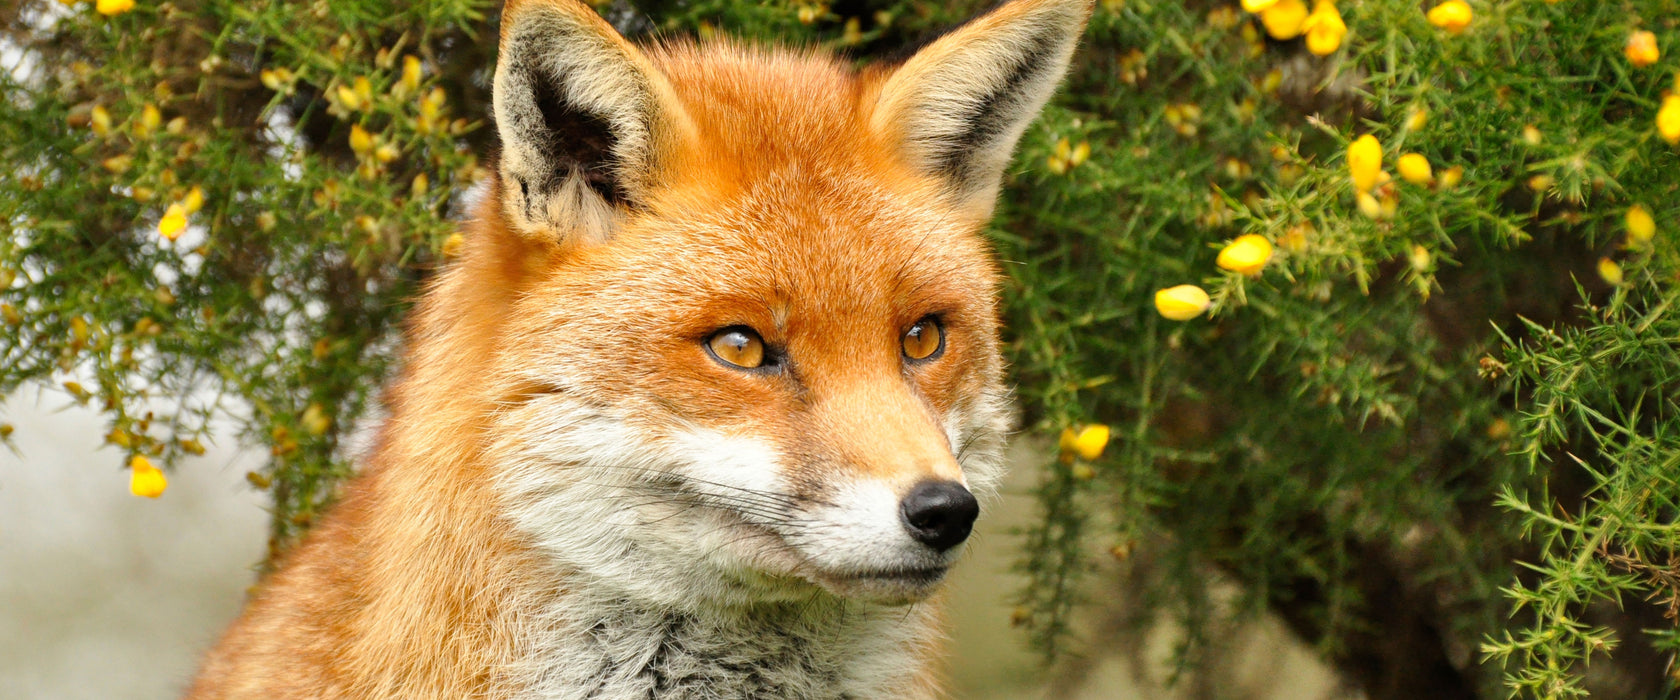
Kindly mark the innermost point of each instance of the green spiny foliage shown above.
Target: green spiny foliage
(1437, 441)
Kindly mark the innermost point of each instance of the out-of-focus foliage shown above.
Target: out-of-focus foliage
(1437, 432)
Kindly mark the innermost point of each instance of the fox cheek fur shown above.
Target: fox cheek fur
(708, 396)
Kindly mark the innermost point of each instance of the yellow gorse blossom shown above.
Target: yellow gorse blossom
(1414, 168)
(1453, 16)
(315, 420)
(1641, 49)
(410, 74)
(1417, 119)
(452, 245)
(1090, 441)
(194, 200)
(1087, 442)
(1182, 303)
(173, 222)
(99, 119)
(145, 479)
(1258, 5)
(1368, 205)
(150, 119)
(1451, 177)
(1324, 28)
(360, 140)
(1668, 120)
(1364, 159)
(1285, 20)
(1247, 255)
(1610, 271)
(1641, 228)
(112, 8)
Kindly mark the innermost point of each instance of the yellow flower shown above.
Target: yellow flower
(112, 8)
(1080, 153)
(1641, 49)
(1091, 441)
(1247, 255)
(1453, 16)
(1414, 168)
(1364, 159)
(1451, 177)
(452, 245)
(100, 120)
(173, 222)
(194, 200)
(1285, 19)
(150, 119)
(1419, 259)
(360, 140)
(315, 419)
(348, 97)
(410, 74)
(1641, 228)
(1610, 271)
(1668, 120)
(1417, 119)
(145, 479)
(1368, 205)
(1087, 442)
(1182, 303)
(1324, 28)
(1258, 5)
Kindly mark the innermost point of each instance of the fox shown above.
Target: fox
(706, 402)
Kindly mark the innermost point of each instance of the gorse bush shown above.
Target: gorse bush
(1430, 416)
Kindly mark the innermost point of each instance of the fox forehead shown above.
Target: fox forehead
(814, 261)
(785, 201)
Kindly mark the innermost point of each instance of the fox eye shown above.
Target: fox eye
(739, 346)
(925, 340)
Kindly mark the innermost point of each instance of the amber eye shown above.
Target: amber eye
(924, 340)
(737, 345)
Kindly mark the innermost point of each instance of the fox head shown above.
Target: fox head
(754, 353)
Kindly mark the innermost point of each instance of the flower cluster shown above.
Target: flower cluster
(1287, 19)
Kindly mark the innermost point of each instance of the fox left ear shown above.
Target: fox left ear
(584, 118)
(958, 106)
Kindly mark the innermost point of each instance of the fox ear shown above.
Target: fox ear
(582, 116)
(958, 106)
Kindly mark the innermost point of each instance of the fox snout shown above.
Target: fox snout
(939, 514)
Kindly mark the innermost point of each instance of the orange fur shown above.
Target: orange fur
(772, 200)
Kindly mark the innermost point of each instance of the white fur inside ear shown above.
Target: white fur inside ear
(594, 76)
(959, 106)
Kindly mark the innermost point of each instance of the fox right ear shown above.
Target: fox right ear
(582, 117)
(957, 107)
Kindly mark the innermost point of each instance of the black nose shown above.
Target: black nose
(939, 514)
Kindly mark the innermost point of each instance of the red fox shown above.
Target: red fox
(703, 407)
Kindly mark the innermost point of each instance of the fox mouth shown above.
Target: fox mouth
(918, 576)
(893, 586)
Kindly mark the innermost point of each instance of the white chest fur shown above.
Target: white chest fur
(825, 649)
